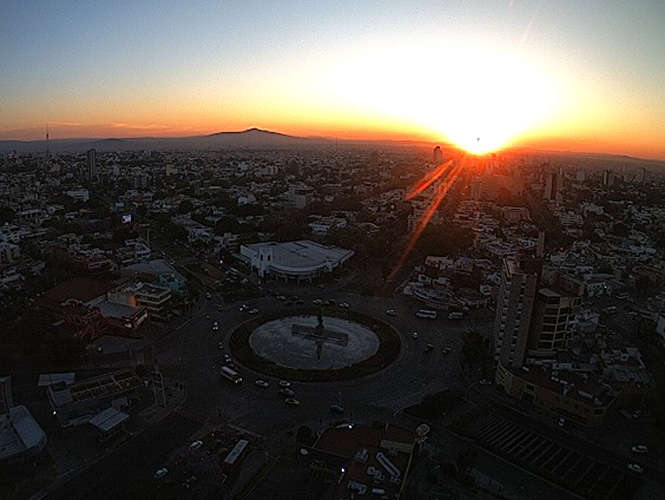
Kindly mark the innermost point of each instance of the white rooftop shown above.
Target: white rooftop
(108, 419)
(303, 253)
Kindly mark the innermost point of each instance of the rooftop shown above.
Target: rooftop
(97, 387)
(82, 289)
(303, 253)
(19, 432)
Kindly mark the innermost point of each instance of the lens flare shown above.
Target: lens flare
(451, 169)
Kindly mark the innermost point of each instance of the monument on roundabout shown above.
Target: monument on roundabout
(319, 334)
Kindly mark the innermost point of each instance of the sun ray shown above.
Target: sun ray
(428, 180)
(441, 191)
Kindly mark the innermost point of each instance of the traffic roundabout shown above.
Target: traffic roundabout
(313, 344)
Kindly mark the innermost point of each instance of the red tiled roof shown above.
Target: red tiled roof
(82, 289)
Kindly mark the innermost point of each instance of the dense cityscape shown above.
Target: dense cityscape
(515, 350)
(332, 250)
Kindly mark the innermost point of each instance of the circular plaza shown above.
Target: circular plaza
(315, 346)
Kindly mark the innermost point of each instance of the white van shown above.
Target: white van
(426, 313)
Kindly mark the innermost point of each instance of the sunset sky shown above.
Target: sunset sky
(565, 74)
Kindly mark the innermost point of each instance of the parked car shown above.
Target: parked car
(285, 391)
(220, 346)
(284, 383)
(429, 347)
(215, 326)
(639, 448)
(636, 468)
(415, 335)
(317, 302)
(254, 311)
(161, 473)
(484, 382)
(262, 383)
(391, 312)
(292, 401)
(445, 350)
(196, 444)
(344, 305)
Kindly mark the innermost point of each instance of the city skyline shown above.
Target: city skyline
(558, 76)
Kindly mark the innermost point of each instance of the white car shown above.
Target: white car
(284, 383)
(215, 326)
(254, 311)
(639, 448)
(220, 346)
(196, 444)
(391, 312)
(317, 302)
(262, 383)
(344, 305)
(228, 358)
(484, 382)
(636, 468)
(415, 335)
(161, 473)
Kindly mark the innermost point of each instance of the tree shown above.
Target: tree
(643, 283)
(444, 239)
(6, 214)
(185, 207)
(620, 229)
(227, 224)
(304, 435)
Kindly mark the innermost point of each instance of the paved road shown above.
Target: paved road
(126, 473)
(193, 355)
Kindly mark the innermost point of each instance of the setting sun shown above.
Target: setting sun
(491, 99)
(477, 98)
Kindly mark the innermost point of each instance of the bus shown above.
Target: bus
(230, 374)
(236, 455)
(426, 313)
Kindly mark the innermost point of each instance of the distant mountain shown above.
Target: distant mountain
(253, 138)
(256, 138)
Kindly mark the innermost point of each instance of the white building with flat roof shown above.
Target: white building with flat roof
(294, 260)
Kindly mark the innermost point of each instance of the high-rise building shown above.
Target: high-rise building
(553, 318)
(608, 177)
(519, 283)
(476, 188)
(91, 163)
(437, 156)
(533, 319)
(551, 186)
(641, 175)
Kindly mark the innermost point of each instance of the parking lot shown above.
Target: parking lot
(552, 458)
